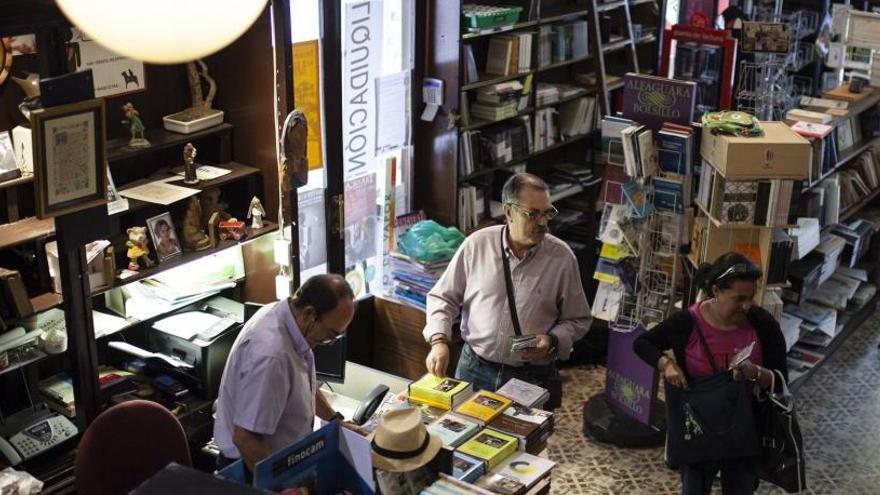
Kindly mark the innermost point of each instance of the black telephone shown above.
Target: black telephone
(369, 405)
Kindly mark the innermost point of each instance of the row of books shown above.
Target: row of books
(509, 54)
(499, 145)
(549, 93)
(747, 202)
(561, 42)
(498, 101)
(471, 207)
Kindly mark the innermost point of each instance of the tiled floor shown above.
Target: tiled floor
(839, 414)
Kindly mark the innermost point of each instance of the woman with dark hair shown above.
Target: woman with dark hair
(707, 340)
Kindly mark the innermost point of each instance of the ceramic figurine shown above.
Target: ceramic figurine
(137, 248)
(189, 165)
(256, 213)
(135, 127)
(211, 204)
(194, 237)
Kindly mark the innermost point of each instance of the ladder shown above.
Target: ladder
(628, 43)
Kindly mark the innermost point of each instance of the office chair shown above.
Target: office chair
(126, 445)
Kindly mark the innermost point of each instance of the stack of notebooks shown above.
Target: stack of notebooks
(413, 279)
(58, 392)
(509, 54)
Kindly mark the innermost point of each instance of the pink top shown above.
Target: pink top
(723, 344)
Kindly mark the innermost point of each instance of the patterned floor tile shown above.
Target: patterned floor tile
(837, 411)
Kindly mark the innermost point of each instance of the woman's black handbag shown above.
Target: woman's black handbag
(782, 447)
(712, 420)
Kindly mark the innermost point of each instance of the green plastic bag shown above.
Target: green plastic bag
(430, 241)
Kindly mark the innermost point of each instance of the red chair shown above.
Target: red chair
(126, 445)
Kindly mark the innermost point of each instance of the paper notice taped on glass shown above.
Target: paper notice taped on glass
(393, 115)
(158, 192)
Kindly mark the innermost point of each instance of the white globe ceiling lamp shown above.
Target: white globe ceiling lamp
(163, 31)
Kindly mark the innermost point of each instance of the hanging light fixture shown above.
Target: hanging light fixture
(163, 31)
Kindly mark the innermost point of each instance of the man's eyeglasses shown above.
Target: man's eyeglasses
(531, 214)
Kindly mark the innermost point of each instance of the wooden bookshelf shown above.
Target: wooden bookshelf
(856, 207)
(848, 154)
(117, 149)
(24, 179)
(520, 161)
(25, 230)
(469, 35)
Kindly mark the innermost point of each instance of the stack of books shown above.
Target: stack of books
(518, 475)
(546, 128)
(490, 446)
(467, 468)
(857, 235)
(573, 173)
(440, 392)
(484, 406)
(453, 430)
(413, 279)
(531, 426)
(524, 393)
(745, 202)
(509, 54)
(498, 101)
(58, 392)
(781, 248)
(639, 154)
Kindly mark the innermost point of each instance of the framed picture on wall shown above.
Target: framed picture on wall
(70, 168)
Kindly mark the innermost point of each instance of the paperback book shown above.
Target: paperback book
(484, 406)
(439, 392)
(453, 430)
(524, 393)
(491, 446)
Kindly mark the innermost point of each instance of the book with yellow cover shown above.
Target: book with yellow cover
(484, 406)
(439, 392)
(491, 446)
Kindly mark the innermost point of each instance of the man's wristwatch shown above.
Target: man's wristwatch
(554, 345)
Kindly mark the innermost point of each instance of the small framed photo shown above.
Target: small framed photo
(70, 168)
(164, 237)
(8, 169)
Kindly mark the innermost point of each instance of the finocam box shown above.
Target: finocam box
(779, 154)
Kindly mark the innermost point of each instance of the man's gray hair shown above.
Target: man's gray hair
(516, 183)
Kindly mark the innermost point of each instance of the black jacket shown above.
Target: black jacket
(674, 332)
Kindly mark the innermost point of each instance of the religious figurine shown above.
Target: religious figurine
(294, 159)
(194, 237)
(135, 127)
(137, 248)
(189, 165)
(256, 213)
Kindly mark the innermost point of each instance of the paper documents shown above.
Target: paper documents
(192, 323)
(145, 354)
(160, 193)
(203, 172)
(106, 324)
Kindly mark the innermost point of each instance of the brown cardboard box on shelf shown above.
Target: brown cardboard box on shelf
(779, 154)
(842, 93)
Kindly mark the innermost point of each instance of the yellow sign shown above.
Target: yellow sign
(307, 95)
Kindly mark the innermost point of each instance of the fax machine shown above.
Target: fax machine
(200, 336)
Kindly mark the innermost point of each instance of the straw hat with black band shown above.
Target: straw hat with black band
(401, 442)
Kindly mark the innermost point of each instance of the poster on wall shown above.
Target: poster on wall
(312, 230)
(361, 66)
(362, 230)
(113, 74)
(307, 95)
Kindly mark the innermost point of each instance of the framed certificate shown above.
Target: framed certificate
(70, 168)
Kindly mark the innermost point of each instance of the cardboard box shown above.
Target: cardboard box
(102, 265)
(780, 154)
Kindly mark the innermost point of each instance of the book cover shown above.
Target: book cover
(453, 430)
(467, 468)
(499, 483)
(739, 202)
(526, 468)
(524, 393)
(672, 153)
(490, 445)
(636, 197)
(530, 414)
(514, 426)
(440, 392)
(651, 100)
(668, 194)
(484, 406)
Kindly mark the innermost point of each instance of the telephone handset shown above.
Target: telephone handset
(369, 405)
(36, 438)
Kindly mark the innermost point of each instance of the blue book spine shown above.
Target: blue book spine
(672, 153)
